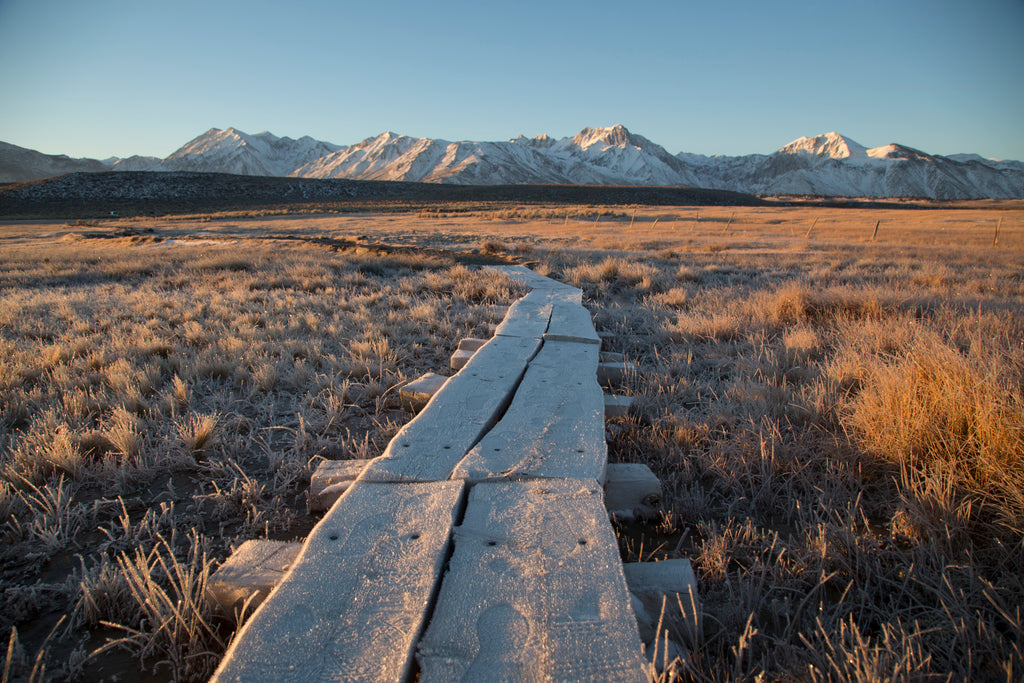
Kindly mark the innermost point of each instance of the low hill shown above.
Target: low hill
(83, 195)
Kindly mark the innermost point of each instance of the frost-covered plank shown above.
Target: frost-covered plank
(661, 578)
(617, 406)
(554, 426)
(355, 600)
(572, 322)
(609, 374)
(250, 574)
(566, 295)
(534, 591)
(527, 317)
(429, 447)
(531, 279)
(459, 359)
(672, 585)
(471, 344)
(632, 491)
(417, 394)
(467, 347)
(331, 479)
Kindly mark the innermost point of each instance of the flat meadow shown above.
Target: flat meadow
(832, 397)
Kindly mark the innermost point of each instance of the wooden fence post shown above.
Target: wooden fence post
(813, 223)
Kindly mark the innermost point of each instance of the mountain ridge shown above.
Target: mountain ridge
(19, 164)
(830, 164)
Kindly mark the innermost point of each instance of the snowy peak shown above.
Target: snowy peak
(540, 141)
(829, 145)
(382, 139)
(211, 141)
(895, 151)
(134, 163)
(614, 136)
(233, 151)
(385, 139)
(388, 156)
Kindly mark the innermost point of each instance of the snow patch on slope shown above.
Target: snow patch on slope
(831, 145)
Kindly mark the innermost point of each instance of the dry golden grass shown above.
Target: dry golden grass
(837, 421)
(203, 380)
(840, 430)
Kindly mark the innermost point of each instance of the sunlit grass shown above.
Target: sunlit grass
(836, 421)
(205, 381)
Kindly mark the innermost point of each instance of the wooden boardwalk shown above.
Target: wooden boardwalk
(478, 546)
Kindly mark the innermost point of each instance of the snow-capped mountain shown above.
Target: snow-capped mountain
(830, 145)
(134, 163)
(619, 154)
(826, 165)
(385, 157)
(995, 163)
(232, 151)
(829, 165)
(834, 165)
(598, 156)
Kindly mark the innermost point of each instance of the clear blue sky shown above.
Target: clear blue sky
(101, 78)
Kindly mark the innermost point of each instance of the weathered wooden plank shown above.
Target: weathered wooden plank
(609, 374)
(530, 278)
(554, 426)
(565, 295)
(632, 491)
(250, 574)
(353, 604)
(672, 584)
(471, 344)
(467, 347)
(429, 447)
(570, 320)
(459, 359)
(331, 479)
(661, 578)
(534, 591)
(417, 394)
(617, 406)
(527, 317)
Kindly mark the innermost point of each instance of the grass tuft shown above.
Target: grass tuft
(198, 432)
(954, 424)
(172, 624)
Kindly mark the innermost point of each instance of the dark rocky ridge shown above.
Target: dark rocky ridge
(90, 195)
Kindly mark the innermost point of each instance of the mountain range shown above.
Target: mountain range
(824, 165)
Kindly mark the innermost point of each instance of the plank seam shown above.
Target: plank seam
(413, 670)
